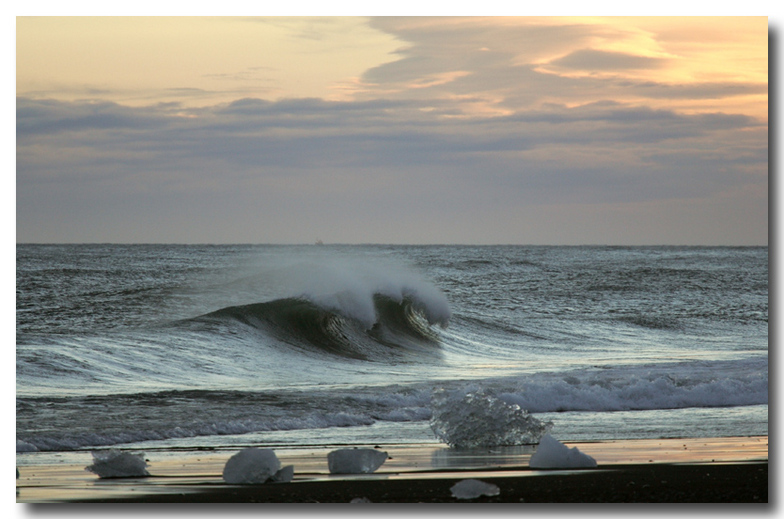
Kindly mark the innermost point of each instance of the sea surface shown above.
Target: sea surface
(192, 347)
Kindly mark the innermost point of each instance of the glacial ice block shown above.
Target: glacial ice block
(473, 488)
(355, 461)
(116, 464)
(467, 419)
(552, 454)
(284, 475)
(251, 466)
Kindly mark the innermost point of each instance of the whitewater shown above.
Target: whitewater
(224, 346)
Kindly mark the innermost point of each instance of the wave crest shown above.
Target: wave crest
(398, 326)
(348, 308)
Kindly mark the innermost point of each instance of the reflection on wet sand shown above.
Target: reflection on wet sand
(192, 472)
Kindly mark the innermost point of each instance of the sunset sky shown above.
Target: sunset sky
(540, 130)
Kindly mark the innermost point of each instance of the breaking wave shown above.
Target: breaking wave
(493, 411)
(403, 324)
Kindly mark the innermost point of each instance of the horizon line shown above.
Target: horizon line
(389, 244)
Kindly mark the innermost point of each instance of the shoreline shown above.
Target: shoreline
(656, 483)
(705, 470)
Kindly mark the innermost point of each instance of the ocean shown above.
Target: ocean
(188, 347)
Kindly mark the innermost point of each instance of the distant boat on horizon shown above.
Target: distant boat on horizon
(319, 242)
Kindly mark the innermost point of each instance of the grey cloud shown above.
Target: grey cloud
(311, 107)
(49, 116)
(468, 42)
(301, 134)
(615, 112)
(377, 167)
(703, 90)
(297, 131)
(497, 58)
(296, 161)
(591, 59)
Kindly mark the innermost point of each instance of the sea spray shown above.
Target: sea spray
(349, 286)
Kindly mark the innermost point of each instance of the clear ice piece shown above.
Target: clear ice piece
(284, 475)
(471, 419)
(355, 461)
(473, 488)
(251, 466)
(116, 464)
(552, 454)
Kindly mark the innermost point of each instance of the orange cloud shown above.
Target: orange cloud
(692, 64)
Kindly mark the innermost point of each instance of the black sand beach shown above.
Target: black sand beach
(718, 470)
(665, 483)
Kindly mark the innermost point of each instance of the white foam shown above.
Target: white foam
(316, 420)
(552, 454)
(115, 464)
(623, 390)
(629, 388)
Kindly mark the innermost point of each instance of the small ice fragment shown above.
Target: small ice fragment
(251, 466)
(355, 461)
(552, 454)
(473, 488)
(284, 475)
(116, 464)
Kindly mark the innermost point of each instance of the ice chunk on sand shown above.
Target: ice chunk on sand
(355, 461)
(552, 454)
(116, 464)
(473, 488)
(254, 466)
(467, 419)
(284, 475)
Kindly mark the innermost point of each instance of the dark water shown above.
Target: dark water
(188, 346)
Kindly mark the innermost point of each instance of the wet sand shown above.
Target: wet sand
(702, 470)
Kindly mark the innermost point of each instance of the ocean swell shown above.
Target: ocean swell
(398, 325)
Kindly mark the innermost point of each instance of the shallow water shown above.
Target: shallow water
(186, 346)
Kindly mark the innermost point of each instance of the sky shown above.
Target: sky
(466, 130)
